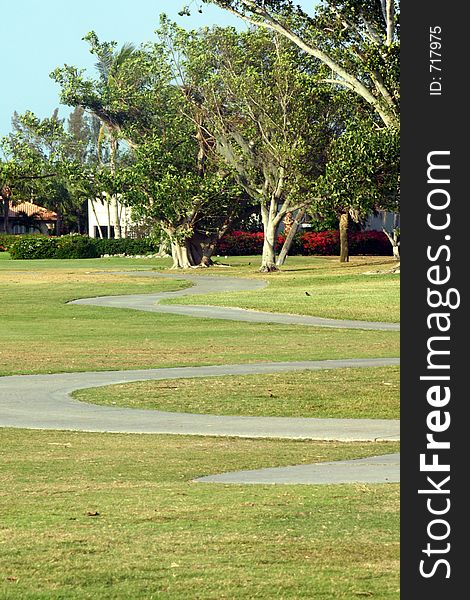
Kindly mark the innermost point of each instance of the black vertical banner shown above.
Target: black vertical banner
(435, 232)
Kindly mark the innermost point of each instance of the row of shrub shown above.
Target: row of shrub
(237, 243)
(324, 243)
(7, 239)
(73, 246)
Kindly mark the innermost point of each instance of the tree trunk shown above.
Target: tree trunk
(394, 239)
(208, 250)
(343, 237)
(268, 260)
(6, 211)
(113, 198)
(58, 224)
(93, 208)
(5, 195)
(197, 251)
(117, 218)
(108, 211)
(281, 259)
(203, 248)
(180, 255)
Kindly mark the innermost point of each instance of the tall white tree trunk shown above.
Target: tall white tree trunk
(108, 212)
(268, 259)
(93, 208)
(394, 239)
(117, 218)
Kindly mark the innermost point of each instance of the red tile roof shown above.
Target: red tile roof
(32, 210)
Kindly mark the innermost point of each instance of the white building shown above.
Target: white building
(103, 213)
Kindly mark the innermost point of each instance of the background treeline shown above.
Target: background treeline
(296, 118)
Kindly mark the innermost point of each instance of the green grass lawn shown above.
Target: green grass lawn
(158, 535)
(42, 334)
(117, 517)
(342, 291)
(344, 393)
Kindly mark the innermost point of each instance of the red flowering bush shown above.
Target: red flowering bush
(241, 243)
(323, 243)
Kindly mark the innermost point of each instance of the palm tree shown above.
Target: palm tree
(112, 78)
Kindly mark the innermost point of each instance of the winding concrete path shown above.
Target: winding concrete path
(220, 285)
(375, 469)
(44, 401)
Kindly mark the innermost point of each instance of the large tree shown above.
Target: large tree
(171, 179)
(356, 40)
(32, 159)
(361, 176)
(194, 210)
(270, 121)
(45, 162)
(114, 98)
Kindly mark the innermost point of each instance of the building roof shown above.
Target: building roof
(32, 210)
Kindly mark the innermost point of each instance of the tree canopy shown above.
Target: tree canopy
(198, 128)
(269, 120)
(356, 40)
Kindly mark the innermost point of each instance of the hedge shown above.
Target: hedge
(75, 246)
(236, 243)
(128, 246)
(7, 239)
(324, 243)
(37, 246)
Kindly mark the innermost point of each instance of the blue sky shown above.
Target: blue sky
(39, 35)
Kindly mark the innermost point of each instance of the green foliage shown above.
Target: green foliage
(33, 247)
(74, 246)
(356, 41)
(126, 94)
(70, 246)
(163, 177)
(362, 172)
(127, 246)
(6, 240)
(270, 120)
(46, 163)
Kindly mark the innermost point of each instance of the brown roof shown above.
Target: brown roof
(32, 210)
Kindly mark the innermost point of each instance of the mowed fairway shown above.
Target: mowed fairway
(317, 286)
(42, 334)
(112, 516)
(335, 393)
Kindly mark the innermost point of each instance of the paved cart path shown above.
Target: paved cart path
(220, 285)
(375, 469)
(44, 401)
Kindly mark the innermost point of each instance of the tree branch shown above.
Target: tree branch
(387, 113)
